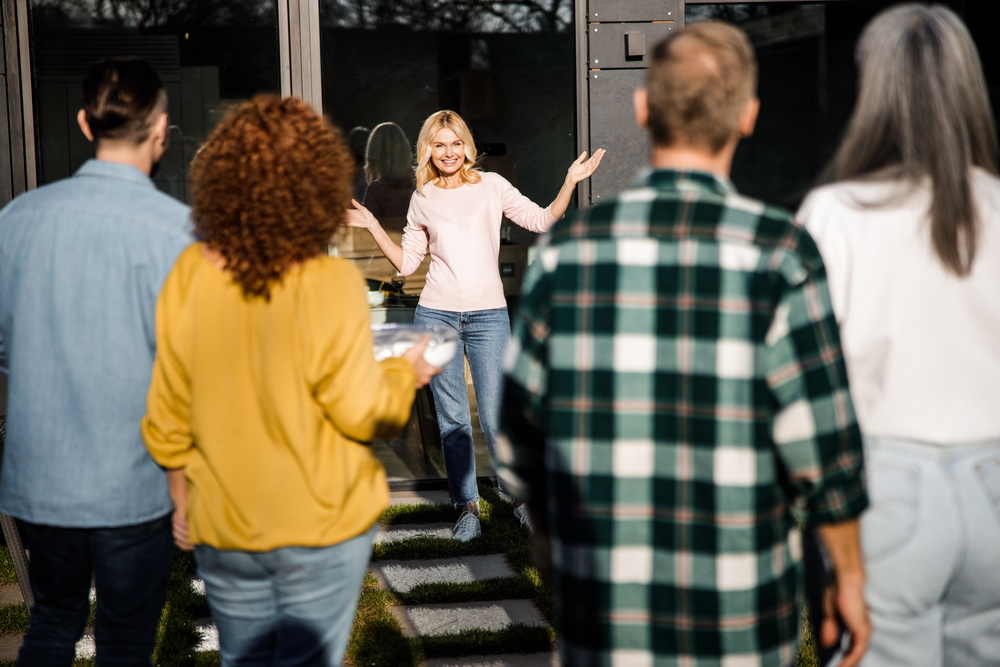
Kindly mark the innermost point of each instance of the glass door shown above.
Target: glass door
(210, 54)
(508, 69)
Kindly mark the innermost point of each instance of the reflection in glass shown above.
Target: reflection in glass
(209, 53)
(389, 168)
(805, 88)
(508, 69)
(451, 15)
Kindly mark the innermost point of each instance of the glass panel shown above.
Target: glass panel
(507, 68)
(209, 53)
(806, 89)
(808, 83)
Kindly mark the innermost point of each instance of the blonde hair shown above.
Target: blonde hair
(426, 171)
(698, 84)
(388, 156)
(923, 111)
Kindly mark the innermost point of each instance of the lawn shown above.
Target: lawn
(377, 639)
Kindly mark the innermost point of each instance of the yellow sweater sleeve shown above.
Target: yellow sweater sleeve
(363, 399)
(166, 427)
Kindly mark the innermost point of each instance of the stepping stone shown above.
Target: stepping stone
(431, 620)
(9, 646)
(420, 498)
(86, 647)
(209, 635)
(10, 595)
(401, 576)
(500, 660)
(400, 532)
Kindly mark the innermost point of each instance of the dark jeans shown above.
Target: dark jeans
(131, 566)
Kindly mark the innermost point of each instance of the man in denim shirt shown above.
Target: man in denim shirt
(81, 264)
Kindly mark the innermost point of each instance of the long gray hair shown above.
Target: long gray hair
(922, 112)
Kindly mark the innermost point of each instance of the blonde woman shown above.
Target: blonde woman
(457, 209)
(909, 231)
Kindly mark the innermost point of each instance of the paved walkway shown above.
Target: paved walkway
(399, 576)
(440, 619)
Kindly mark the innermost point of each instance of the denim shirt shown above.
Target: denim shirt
(82, 261)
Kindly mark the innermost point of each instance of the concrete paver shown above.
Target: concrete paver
(402, 575)
(11, 594)
(86, 647)
(501, 660)
(420, 498)
(444, 619)
(401, 532)
(9, 646)
(209, 635)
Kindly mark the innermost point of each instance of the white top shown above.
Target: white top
(922, 345)
(462, 226)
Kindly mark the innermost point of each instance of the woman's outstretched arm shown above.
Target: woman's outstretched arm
(577, 171)
(359, 216)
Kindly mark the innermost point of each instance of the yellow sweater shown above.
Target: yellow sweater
(266, 405)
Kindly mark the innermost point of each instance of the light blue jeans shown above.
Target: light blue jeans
(290, 606)
(931, 541)
(484, 335)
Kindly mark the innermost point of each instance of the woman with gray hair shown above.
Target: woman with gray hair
(909, 229)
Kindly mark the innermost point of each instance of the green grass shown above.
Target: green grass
(13, 618)
(515, 638)
(178, 637)
(807, 649)
(377, 638)
(7, 575)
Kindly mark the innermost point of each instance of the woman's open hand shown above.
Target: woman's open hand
(580, 170)
(359, 216)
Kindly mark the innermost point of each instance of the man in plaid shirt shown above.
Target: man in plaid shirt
(677, 400)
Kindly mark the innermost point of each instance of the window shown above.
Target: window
(209, 53)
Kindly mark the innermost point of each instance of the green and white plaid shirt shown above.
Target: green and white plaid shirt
(675, 386)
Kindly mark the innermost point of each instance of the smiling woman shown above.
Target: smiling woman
(457, 209)
(446, 150)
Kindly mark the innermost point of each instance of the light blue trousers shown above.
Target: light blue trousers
(483, 335)
(290, 606)
(931, 541)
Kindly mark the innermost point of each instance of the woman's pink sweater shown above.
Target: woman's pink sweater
(462, 226)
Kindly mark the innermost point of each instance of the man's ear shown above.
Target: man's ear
(640, 103)
(160, 129)
(748, 118)
(81, 120)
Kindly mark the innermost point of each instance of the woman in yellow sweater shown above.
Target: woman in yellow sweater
(265, 390)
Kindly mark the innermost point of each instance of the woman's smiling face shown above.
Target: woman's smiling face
(447, 152)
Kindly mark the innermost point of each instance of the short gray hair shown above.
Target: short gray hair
(923, 111)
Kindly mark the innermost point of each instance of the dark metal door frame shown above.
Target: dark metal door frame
(593, 112)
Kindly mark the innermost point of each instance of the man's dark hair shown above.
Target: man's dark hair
(122, 98)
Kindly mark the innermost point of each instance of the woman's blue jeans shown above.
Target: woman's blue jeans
(290, 606)
(931, 542)
(484, 335)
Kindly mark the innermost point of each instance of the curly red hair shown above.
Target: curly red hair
(271, 186)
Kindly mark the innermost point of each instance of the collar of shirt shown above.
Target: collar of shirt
(676, 179)
(115, 170)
